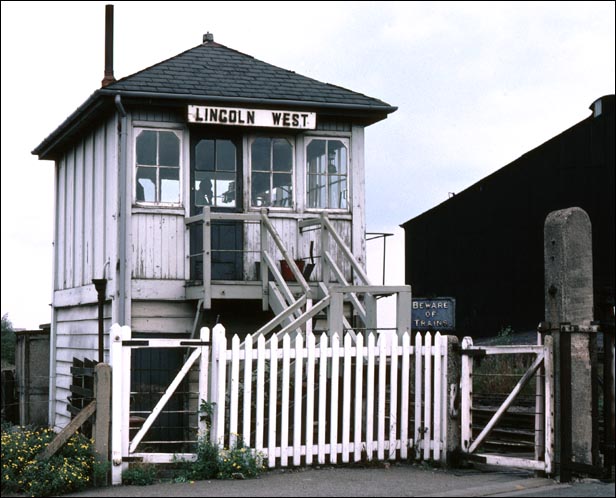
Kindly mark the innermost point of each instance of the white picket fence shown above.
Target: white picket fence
(331, 400)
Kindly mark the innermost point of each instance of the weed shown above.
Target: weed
(140, 474)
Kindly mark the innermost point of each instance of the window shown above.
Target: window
(271, 162)
(327, 172)
(158, 167)
(215, 163)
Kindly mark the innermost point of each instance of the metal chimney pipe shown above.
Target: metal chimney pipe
(109, 78)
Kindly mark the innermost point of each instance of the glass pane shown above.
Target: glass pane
(146, 148)
(337, 155)
(168, 149)
(316, 191)
(225, 155)
(260, 195)
(205, 155)
(204, 192)
(224, 190)
(283, 191)
(169, 185)
(260, 154)
(315, 156)
(146, 184)
(283, 155)
(337, 192)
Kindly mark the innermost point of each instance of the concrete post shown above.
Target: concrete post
(569, 299)
(451, 415)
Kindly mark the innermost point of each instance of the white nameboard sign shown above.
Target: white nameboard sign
(236, 116)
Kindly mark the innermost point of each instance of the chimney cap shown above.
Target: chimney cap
(602, 105)
(208, 37)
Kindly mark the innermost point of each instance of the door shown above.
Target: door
(216, 181)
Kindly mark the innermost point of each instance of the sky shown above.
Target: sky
(476, 84)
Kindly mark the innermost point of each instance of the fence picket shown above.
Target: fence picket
(418, 441)
(246, 424)
(436, 433)
(273, 400)
(234, 398)
(310, 363)
(380, 441)
(427, 429)
(404, 395)
(322, 422)
(219, 408)
(393, 395)
(359, 389)
(335, 379)
(346, 399)
(370, 398)
(260, 387)
(297, 401)
(284, 408)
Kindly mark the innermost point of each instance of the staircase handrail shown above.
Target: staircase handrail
(265, 221)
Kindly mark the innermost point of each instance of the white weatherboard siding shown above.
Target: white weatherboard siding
(86, 209)
(76, 337)
(165, 317)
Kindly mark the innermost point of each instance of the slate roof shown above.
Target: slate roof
(215, 74)
(211, 69)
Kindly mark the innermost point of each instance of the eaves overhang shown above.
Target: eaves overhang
(102, 99)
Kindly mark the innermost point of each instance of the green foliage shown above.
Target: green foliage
(206, 409)
(70, 469)
(140, 474)
(206, 464)
(8, 341)
(506, 333)
(213, 462)
(239, 462)
(100, 473)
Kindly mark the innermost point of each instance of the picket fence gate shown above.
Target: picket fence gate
(299, 402)
(332, 399)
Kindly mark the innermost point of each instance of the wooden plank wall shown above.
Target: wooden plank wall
(86, 207)
(158, 246)
(76, 337)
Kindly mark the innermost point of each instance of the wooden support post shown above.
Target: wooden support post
(466, 396)
(403, 313)
(100, 431)
(336, 311)
(207, 258)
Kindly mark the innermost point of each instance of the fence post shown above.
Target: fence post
(120, 362)
(569, 298)
(451, 405)
(218, 383)
(100, 431)
(466, 400)
(204, 335)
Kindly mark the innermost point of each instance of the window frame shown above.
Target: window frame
(292, 141)
(179, 133)
(346, 141)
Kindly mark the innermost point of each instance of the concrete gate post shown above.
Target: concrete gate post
(451, 415)
(569, 300)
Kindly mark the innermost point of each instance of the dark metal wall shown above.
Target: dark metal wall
(484, 246)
